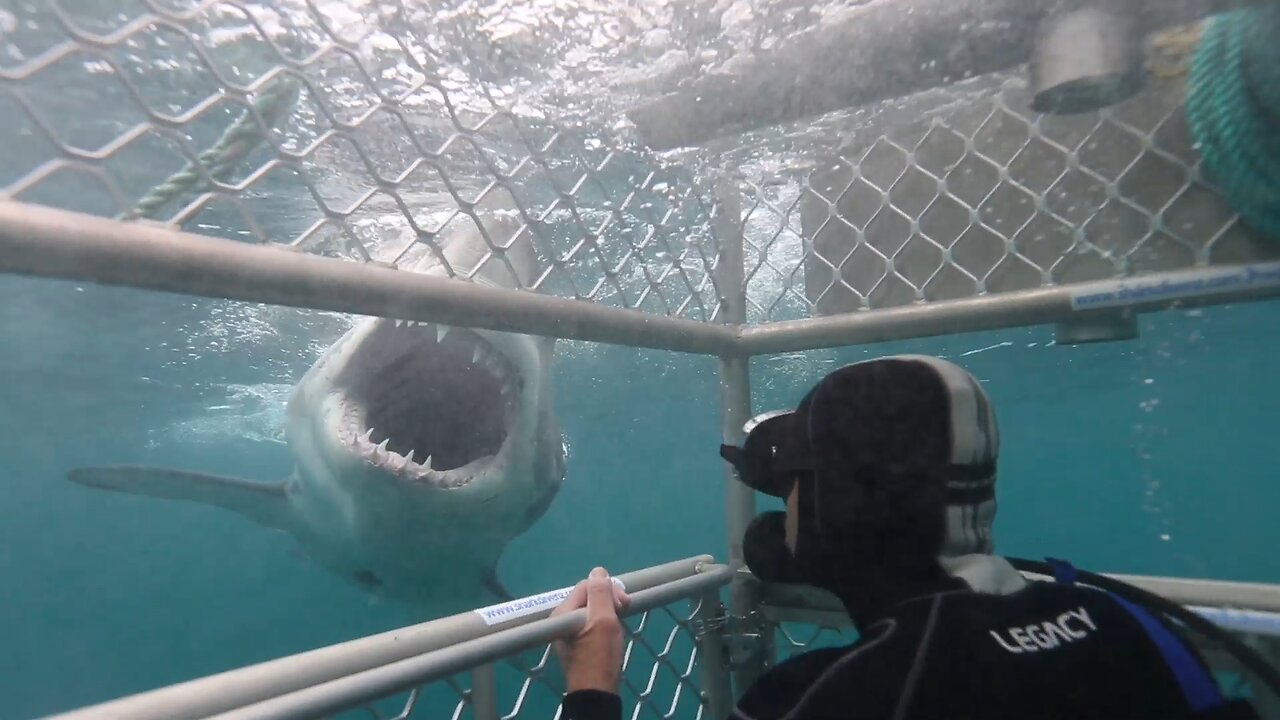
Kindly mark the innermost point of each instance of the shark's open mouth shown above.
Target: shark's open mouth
(428, 402)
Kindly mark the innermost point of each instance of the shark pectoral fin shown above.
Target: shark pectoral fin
(495, 586)
(546, 344)
(264, 503)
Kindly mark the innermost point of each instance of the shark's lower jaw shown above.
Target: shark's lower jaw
(427, 403)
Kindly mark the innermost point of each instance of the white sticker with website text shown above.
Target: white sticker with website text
(1137, 290)
(531, 605)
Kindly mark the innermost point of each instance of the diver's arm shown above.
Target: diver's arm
(591, 705)
(592, 659)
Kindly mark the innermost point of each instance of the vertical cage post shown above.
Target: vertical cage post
(713, 659)
(731, 265)
(735, 407)
(484, 693)
(735, 371)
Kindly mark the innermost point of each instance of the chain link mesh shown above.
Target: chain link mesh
(660, 678)
(963, 191)
(355, 133)
(341, 130)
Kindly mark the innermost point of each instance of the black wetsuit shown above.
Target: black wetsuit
(1047, 651)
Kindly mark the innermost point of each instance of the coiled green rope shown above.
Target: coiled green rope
(1233, 110)
(241, 138)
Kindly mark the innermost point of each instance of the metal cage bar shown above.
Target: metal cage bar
(351, 690)
(735, 408)
(46, 242)
(242, 686)
(796, 603)
(484, 693)
(713, 659)
(1148, 293)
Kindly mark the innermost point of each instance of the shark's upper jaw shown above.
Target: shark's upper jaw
(428, 403)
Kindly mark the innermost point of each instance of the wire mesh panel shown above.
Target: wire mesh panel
(346, 129)
(660, 678)
(964, 191)
(451, 698)
(528, 686)
(660, 665)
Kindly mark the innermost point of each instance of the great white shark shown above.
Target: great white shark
(420, 449)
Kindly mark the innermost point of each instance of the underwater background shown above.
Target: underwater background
(1145, 456)
(1151, 456)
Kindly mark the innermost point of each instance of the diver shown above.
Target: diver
(888, 469)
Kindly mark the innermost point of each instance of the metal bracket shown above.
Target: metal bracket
(743, 636)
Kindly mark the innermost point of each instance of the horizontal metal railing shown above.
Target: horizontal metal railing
(344, 675)
(800, 603)
(352, 690)
(1145, 293)
(46, 242)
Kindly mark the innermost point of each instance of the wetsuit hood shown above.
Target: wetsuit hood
(894, 464)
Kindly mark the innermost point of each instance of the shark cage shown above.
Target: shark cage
(1065, 163)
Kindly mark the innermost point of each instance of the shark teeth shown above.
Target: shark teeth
(482, 353)
(401, 323)
(488, 355)
(380, 454)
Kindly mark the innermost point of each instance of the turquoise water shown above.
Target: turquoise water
(1150, 456)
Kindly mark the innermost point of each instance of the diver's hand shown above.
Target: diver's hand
(592, 659)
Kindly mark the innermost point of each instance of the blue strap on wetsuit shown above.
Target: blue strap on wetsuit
(1198, 686)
